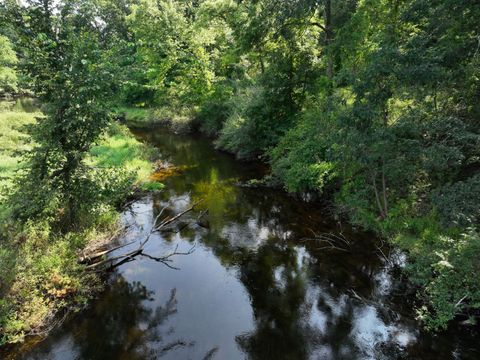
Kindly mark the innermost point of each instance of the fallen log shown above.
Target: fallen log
(139, 251)
(90, 257)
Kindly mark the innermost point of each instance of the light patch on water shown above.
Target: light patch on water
(303, 257)
(278, 275)
(369, 331)
(249, 235)
(383, 283)
(324, 352)
(317, 318)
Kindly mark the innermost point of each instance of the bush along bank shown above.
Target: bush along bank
(41, 280)
(181, 122)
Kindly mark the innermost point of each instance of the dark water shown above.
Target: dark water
(254, 288)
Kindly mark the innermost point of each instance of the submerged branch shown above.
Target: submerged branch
(140, 250)
(335, 242)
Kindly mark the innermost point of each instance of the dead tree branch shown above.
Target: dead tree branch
(140, 250)
(335, 242)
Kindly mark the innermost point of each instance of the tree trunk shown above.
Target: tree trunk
(384, 189)
(377, 198)
(329, 38)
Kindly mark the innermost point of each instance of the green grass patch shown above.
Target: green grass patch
(136, 116)
(13, 141)
(119, 149)
(178, 120)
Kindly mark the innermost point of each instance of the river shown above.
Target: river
(255, 287)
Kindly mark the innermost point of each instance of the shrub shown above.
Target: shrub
(458, 203)
(300, 159)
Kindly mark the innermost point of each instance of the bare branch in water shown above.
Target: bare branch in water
(140, 250)
(335, 242)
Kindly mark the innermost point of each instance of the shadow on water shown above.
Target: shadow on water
(255, 287)
(121, 325)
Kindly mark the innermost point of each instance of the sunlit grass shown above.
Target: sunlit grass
(118, 148)
(179, 120)
(135, 115)
(121, 150)
(13, 141)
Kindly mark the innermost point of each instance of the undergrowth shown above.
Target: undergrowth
(40, 277)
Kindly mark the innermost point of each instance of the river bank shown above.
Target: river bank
(41, 280)
(256, 280)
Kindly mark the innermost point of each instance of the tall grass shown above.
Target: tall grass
(13, 141)
(119, 149)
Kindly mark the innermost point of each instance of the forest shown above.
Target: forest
(372, 107)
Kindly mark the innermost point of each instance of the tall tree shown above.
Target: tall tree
(8, 61)
(72, 78)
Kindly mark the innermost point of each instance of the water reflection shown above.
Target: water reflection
(121, 325)
(255, 287)
(218, 197)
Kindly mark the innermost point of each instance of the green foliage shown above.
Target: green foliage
(215, 110)
(72, 78)
(12, 140)
(242, 133)
(257, 119)
(42, 276)
(8, 60)
(446, 269)
(301, 157)
(177, 63)
(457, 203)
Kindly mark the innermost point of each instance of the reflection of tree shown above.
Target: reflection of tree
(296, 315)
(299, 294)
(122, 326)
(277, 289)
(217, 196)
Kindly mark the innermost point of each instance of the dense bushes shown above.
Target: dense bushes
(241, 132)
(445, 269)
(458, 203)
(372, 101)
(302, 159)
